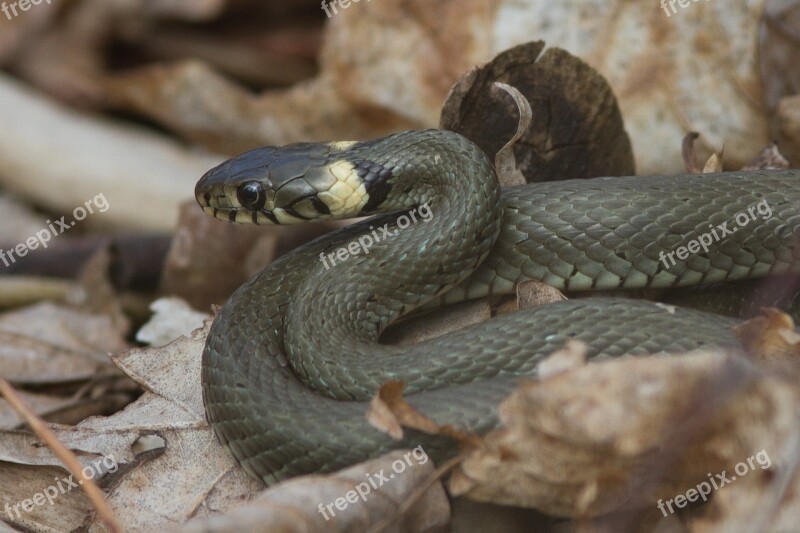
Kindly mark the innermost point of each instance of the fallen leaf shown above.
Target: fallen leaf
(591, 140)
(714, 163)
(434, 323)
(172, 318)
(533, 293)
(42, 404)
(770, 158)
(48, 343)
(165, 432)
(770, 337)
(309, 503)
(627, 434)
(505, 163)
(389, 412)
(572, 355)
(788, 118)
(689, 155)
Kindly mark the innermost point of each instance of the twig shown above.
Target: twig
(38, 426)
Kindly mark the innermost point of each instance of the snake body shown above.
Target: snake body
(293, 358)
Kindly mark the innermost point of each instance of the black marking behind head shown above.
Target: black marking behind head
(376, 181)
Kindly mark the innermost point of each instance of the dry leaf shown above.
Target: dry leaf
(147, 491)
(505, 163)
(148, 495)
(770, 337)
(688, 153)
(437, 322)
(765, 503)
(46, 343)
(663, 82)
(572, 355)
(590, 142)
(529, 294)
(309, 503)
(788, 118)
(205, 107)
(388, 412)
(42, 405)
(714, 163)
(625, 433)
(20, 482)
(172, 318)
(96, 294)
(534, 293)
(770, 158)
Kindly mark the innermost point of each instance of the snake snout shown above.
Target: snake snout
(293, 184)
(238, 190)
(210, 189)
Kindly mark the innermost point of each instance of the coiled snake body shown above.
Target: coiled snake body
(293, 357)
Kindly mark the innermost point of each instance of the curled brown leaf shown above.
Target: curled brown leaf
(770, 337)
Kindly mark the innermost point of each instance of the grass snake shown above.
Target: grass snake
(293, 357)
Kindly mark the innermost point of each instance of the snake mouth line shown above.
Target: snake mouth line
(228, 214)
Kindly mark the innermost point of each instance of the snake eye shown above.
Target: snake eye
(251, 195)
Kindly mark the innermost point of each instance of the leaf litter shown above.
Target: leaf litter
(597, 443)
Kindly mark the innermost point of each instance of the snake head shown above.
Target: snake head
(293, 184)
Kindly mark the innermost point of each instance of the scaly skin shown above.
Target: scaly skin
(292, 359)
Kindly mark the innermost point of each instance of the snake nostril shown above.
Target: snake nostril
(207, 198)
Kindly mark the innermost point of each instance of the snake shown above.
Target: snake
(293, 358)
